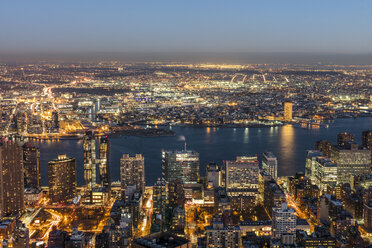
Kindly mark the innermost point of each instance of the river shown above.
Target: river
(288, 143)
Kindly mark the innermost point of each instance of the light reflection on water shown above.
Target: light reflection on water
(289, 143)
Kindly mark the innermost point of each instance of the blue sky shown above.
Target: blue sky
(316, 26)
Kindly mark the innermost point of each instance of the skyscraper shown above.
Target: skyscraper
(132, 171)
(62, 179)
(89, 149)
(270, 164)
(324, 146)
(160, 203)
(288, 107)
(55, 122)
(242, 182)
(367, 139)
(180, 165)
(284, 221)
(104, 165)
(351, 159)
(343, 138)
(11, 179)
(310, 163)
(31, 163)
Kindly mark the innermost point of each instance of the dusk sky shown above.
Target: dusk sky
(186, 26)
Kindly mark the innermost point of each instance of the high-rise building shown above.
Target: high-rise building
(31, 164)
(132, 171)
(270, 164)
(324, 146)
(163, 240)
(288, 108)
(343, 138)
(213, 175)
(104, 162)
(11, 179)
(90, 163)
(221, 234)
(284, 221)
(242, 182)
(62, 179)
(180, 165)
(55, 122)
(310, 163)
(367, 139)
(325, 173)
(351, 160)
(160, 203)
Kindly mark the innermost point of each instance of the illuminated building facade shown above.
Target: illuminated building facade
(310, 163)
(220, 234)
(288, 108)
(325, 173)
(62, 179)
(31, 163)
(11, 179)
(284, 221)
(55, 122)
(343, 138)
(213, 175)
(270, 164)
(104, 162)
(242, 182)
(367, 139)
(351, 160)
(160, 203)
(180, 165)
(132, 171)
(89, 149)
(324, 146)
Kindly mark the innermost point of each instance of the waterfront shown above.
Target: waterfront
(288, 143)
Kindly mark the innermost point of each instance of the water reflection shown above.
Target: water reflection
(287, 149)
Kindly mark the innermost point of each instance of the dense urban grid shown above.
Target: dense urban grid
(239, 203)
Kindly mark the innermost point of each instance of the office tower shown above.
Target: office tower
(11, 179)
(160, 203)
(21, 237)
(343, 138)
(20, 121)
(77, 238)
(242, 182)
(220, 234)
(55, 122)
(213, 175)
(57, 238)
(284, 221)
(163, 240)
(310, 163)
(273, 196)
(132, 171)
(368, 209)
(270, 164)
(367, 139)
(104, 162)
(325, 173)
(31, 164)
(351, 160)
(288, 106)
(324, 146)
(89, 149)
(62, 179)
(180, 165)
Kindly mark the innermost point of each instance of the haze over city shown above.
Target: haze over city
(248, 31)
(185, 124)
